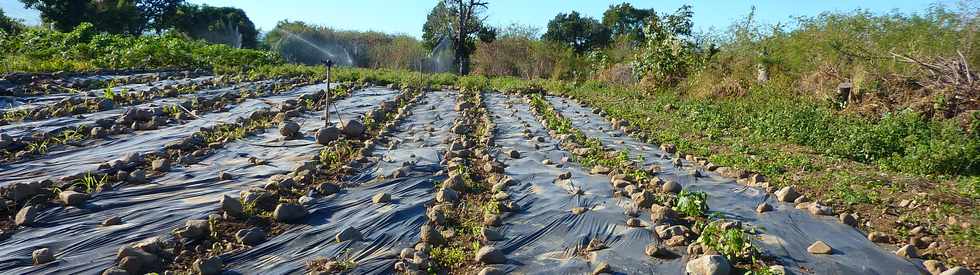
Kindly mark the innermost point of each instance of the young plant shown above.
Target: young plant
(692, 204)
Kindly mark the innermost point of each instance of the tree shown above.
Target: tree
(223, 25)
(669, 53)
(624, 20)
(459, 21)
(9, 25)
(581, 33)
(119, 16)
(64, 15)
(157, 13)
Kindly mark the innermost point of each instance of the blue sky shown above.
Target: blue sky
(407, 16)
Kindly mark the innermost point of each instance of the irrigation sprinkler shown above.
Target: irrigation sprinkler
(326, 105)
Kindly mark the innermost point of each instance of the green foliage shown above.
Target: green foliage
(109, 16)
(84, 49)
(668, 54)
(624, 20)
(732, 242)
(90, 182)
(448, 257)
(9, 25)
(580, 33)
(224, 25)
(692, 204)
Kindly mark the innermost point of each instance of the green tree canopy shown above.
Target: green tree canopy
(223, 25)
(9, 25)
(626, 20)
(120, 16)
(581, 33)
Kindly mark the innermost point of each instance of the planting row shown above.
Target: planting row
(263, 213)
(796, 240)
(141, 118)
(28, 84)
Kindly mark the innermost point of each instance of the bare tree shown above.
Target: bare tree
(466, 21)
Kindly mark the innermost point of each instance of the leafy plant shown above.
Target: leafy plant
(692, 204)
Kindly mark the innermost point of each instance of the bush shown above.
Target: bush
(39, 50)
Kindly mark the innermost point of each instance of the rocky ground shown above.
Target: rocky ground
(200, 174)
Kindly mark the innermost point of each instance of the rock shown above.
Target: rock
(490, 255)
(671, 231)
(490, 234)
(708, 265)
(668, 148)
(225, 176)
(251, 237)
(327, 134)
(602, 268)
(500, 196)
(138, 176)
(491, 271)
(407, 253)
(634, 222)
(289, 129)
(430, 235)
(671, 187)
(194, 229)
(72, 198)
(232, 206)
(381, 197)
(934, 267)
(787, 194)
(778, 270)
(654, 250)
(908, 251)
(42, 256)
(161, 165)
(26, 215)
(446, 195)
(352, 128)
(327, 189)
(801, 199)
(599, 169)
(492, 219)
(819, 247)
(287, 212)
(763, 207)
(98, 132)
(643, 199)
(348, 234)
(565, 175)
(820, 210)
(436, 215)
(512, 153)
(22, 191)
(877, 237)
(659, 213)
(959, 270)
(115, 271)
(579, 210)
(209, 266)
(132, 265)
(848, 219)
(112, 221)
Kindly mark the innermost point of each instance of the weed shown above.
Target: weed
(38, 147)
(447, 257)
